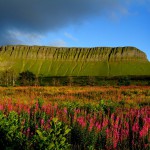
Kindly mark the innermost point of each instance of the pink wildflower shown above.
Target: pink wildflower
(144, 131)
(1, 107)
(42, 122)
(65, 110)
(81, 121)
(91, 124)
(98, 126)
(135, 127)
(36, 126)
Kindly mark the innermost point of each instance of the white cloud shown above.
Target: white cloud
(58, 43)
(25, 38)
(68, 35)
(48, 15)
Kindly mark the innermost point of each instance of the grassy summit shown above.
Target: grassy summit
(63, 61)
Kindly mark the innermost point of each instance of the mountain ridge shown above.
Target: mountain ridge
(75, 61)
(134, 52)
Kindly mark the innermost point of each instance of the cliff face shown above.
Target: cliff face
(74, 54)
(74, 61)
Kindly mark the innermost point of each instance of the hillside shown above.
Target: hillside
(56, 61)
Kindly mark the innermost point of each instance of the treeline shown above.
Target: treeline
(95, 80)
(8, 78)
(27, 78)
(11, 78)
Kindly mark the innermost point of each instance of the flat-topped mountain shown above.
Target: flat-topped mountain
(63, 61)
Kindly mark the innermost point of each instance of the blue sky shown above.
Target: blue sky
(76, 23)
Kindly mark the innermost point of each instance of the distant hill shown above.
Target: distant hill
(64, 61)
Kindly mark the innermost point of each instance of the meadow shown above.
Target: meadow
(78, 117)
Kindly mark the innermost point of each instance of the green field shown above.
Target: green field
(54, 61)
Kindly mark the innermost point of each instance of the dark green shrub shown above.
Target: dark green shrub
(11, 136)
(124, 81)
(26, 78)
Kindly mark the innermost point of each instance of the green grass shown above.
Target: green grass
(52, 61)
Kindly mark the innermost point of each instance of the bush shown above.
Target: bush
(54, 138)
(10, 131)
(124, 81)
(26, 78)
(13, 134)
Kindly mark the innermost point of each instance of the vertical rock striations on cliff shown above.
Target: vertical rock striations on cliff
(62, 61)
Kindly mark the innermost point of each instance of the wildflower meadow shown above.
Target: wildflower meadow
(77, 118)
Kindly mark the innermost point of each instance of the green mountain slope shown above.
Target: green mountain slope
(54, 61)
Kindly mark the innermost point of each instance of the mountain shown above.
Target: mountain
(63, 61)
